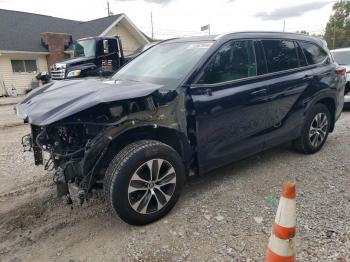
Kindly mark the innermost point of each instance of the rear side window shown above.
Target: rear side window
(280, 55)
(234, 60)
(301, 56)
(314, 54)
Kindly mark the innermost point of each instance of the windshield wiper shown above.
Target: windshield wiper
(131, 80)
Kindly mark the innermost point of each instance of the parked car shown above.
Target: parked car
(183, 107)
(342, 57)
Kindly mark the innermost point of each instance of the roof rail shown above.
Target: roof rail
(242, 32)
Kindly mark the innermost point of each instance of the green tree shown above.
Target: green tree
(337, 32)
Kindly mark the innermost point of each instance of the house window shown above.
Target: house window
(20, 66)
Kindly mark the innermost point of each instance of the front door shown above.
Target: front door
(230, 106)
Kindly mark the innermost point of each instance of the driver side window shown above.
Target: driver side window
(234, 60)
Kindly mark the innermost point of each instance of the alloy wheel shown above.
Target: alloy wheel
(151, 186)
(318, 129)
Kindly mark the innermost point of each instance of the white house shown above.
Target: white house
(23, 55)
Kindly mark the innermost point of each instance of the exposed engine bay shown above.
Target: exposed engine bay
(77, 147)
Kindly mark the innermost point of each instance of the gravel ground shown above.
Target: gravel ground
(10, 100)
(225, 215)
(8, 117)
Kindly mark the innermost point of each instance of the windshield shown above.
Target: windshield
(85, 48)
(342, 57)
(166, 64)
(143, 48)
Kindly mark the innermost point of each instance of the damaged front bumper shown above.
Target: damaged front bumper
(80, 145)
(29, 145)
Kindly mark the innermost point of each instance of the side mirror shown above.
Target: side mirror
(105, 47)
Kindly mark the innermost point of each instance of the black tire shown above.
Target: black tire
(121, 170)
(303, 143)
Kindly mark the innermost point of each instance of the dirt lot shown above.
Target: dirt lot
(223, 216)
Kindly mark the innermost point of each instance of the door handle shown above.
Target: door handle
(262, 91)
(207, 92)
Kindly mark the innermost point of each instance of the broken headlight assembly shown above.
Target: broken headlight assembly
(77, 146)
(62, 141)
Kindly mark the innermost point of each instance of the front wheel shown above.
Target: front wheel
(144, 181)
(315, 130)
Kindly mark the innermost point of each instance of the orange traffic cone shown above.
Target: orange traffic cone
(281, 247)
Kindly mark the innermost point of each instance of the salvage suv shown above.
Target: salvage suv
(183, 107)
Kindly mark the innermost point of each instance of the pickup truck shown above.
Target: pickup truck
(93, 56)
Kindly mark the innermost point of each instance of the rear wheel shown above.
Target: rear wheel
(144, 181)
(315, 130)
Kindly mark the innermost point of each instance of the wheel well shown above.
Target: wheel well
(330, 104)
(168, 136)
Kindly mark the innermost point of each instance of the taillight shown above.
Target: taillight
(341, 71)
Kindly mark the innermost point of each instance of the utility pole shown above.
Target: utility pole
(152, 25)
(284, 25)
(109, 10)
(333, 33)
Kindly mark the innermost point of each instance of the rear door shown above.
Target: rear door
(288, 75)
(230, 105)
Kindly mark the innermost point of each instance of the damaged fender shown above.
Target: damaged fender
(171, 116)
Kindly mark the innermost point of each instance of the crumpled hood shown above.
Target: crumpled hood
(60, 99)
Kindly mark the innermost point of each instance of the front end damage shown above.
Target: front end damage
(78, 147)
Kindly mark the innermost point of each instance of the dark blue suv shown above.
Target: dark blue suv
(183, 107)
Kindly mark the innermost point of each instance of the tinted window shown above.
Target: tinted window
(314, 54)
(301, 56)
(280, 55)
(260, 58)
(235, 60)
